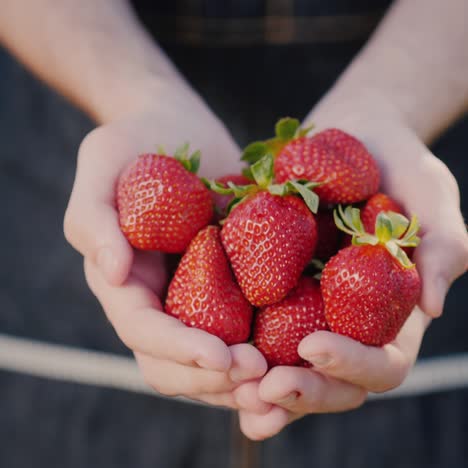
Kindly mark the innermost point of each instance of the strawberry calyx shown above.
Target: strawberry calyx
(286, 129)
(263, 180)
(190, 162)
(392, 230)
(317, 266)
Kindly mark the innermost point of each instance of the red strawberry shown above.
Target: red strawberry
(269, 240)
(328, 235)
(220, 201)
(204, 294)
(161, 204)
(341, 162)
(269, 235)
(378, 203)
(370, 289)
(280, 327)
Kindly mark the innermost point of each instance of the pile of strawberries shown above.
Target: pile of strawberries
(301, 241)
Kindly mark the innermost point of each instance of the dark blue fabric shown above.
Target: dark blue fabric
(43, 294)
(257, 8)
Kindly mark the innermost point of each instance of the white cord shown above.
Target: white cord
(108, 370)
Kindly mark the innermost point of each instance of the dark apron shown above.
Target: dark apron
(275, 58)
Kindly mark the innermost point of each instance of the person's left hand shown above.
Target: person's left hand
(344, 370)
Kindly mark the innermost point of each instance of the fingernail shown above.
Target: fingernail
(320, 360)
(289, 399)
(106, 262)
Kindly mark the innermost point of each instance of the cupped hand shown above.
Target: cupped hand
(174, 359)
(344, 371)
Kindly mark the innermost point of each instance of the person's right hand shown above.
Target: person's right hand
(174, 359)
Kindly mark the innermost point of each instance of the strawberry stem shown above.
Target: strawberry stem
(262, 173)
(286, 129)
(392, 230)
(192, 162)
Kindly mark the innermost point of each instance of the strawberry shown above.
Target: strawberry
(204, 294)
(220, 201)
(269, 240)
(370, 288)
(162, 204)
(270, 234)
(345, 169)
(328, 235)
(378, 203)
(280, 327)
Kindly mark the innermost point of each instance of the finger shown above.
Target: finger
(135, 312)
(247, 363)
(440, 258)
(260, 427)
(150, 268)
(442, 255)
(91, 223)
(221, 400)
(173, 379)
(215, 388)
(303, 391)
(375, 369)
(247, 397)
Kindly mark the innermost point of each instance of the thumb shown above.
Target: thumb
(91, 222)
(440, 258)
(93, 230)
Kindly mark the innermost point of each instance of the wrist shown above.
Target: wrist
(139, 93)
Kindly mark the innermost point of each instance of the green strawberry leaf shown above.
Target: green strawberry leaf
(195, 162)
(399, 254)
(399, 223)
(217, 187)
(254, 152)
(262, 171)
(383, 228)
(311, 199)
(355, 217)
(247, 172)
(318, 264)
(286, 128)
(302, 132)
(368, 239)
(339, 222)
(413, 228)
(181, 152)
(240, 191)
(191, 163)
(278, 189)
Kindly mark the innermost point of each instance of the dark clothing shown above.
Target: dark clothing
(43, 294)
(213, 23)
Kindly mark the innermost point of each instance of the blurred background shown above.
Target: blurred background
(52, 422)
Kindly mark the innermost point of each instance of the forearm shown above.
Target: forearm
(95, 53)
(416, 65)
